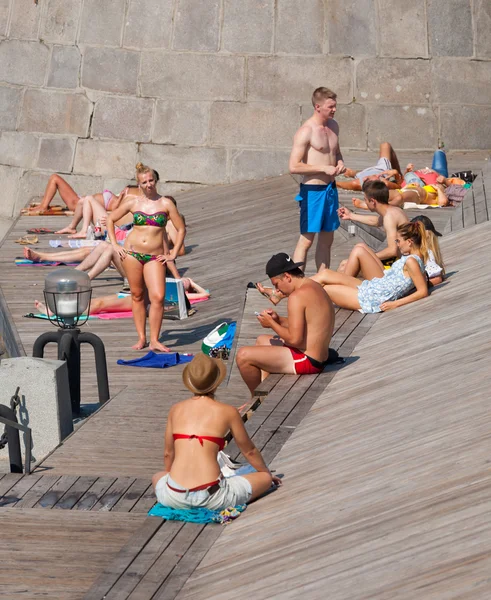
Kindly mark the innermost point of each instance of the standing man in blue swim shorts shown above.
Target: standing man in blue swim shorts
(316, 156)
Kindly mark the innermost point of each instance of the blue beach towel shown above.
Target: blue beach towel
(228, 338)
(197, 515)
(158, 361)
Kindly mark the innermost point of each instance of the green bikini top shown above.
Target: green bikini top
(142, 219)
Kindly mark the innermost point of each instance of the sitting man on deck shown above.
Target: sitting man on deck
(389, 217)
(301, 345)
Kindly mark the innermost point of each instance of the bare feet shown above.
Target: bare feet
(140, 344)
(78, 236)
(31, 254)
(342, 265)
(67, 230)
(41, 308)
(357, 203)
(158, 347)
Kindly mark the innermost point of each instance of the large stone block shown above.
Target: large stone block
(56, 154)
(10, 100)
(24, 20)
(197, 25)
(23, 63)
(181, 122)
(246, 165)
(293, 79)
(299, 30)
(248, 26)
(18, 149)
(4, 16)
(117, 185)
(457, 82)
(203, 76)
(107, 159)
(352, 125)
(10, 177)
(123, 118)
(450, 27)
(253, 124)
(482, 19)
(465, 127)
(102, 22)
(393, 80)
(45, 401)
(64, 67)
(402, 30)
(193, 165)
(351, 27)
(55, 112)
(405, 127)
(110, 70)
(60, 21)
(149, 24)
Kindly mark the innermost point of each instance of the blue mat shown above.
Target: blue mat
(197, 515)
(155, 360)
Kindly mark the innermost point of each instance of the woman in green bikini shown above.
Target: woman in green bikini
(143, 252)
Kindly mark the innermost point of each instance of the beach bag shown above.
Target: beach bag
(220, 338)
(467, 176)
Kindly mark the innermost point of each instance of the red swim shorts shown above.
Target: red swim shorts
(304, 365)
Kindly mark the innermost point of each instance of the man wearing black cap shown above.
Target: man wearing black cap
(301, 344)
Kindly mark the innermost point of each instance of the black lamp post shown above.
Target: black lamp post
(67, 293)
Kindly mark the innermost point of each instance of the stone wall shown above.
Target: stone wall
(211, 91)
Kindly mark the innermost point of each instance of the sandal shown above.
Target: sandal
(24, 240)
(41, 230)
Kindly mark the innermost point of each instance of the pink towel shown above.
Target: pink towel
(127, 314)
(196, 300)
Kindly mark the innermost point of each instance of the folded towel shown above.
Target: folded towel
(123, 314)
(158, 361)
(197, 515)
(22, 262)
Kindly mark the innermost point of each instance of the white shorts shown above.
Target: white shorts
(232, 492)
(383, 164)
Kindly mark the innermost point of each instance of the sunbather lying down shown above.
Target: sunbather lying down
(113, 303)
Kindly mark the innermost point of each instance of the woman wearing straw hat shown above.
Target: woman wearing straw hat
(194, 434)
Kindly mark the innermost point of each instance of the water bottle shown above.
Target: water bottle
(439, 163)
(90, 233)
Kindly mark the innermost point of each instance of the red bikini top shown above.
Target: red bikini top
(216, 440)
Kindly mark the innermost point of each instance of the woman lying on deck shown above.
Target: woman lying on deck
(194, 434)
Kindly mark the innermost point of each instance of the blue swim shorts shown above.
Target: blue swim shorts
(318, 207)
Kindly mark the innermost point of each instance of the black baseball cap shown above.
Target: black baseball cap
(281, 263)
(427, 222)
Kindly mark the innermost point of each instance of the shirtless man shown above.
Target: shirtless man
(301, 344)
(316, 156)
(389, 217)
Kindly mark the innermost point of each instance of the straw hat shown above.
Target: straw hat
(204, 374)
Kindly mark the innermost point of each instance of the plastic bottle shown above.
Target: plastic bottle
(90, 233)
(98, 231)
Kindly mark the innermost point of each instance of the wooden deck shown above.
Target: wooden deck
(106, 464)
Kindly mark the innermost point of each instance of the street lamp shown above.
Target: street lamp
(67, 293)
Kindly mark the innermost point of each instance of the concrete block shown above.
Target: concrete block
(402, 30)
(457, 82)
(293, 79)
(10, 101)
(197, 25)
(299, 31)
(117, 185)
(351, 27)
(56, 154)
(18, 149)
(178, 122)
(465, 127)
(193, 165)
(102, 22)
(203, 76)
(23, 63)
(24, 20)
(107, 159)
(393, 80)
(253, 124)
(123, 118)
(405, 127)
(64, 67)
(482, 19)
(45, 401)
(60, 21)
(248, 26)
(450, 27)
(352, 125)
(4, 17)
(110, 70)
(10, 177)
(55, 112)
(246, 165)
(154, 18)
